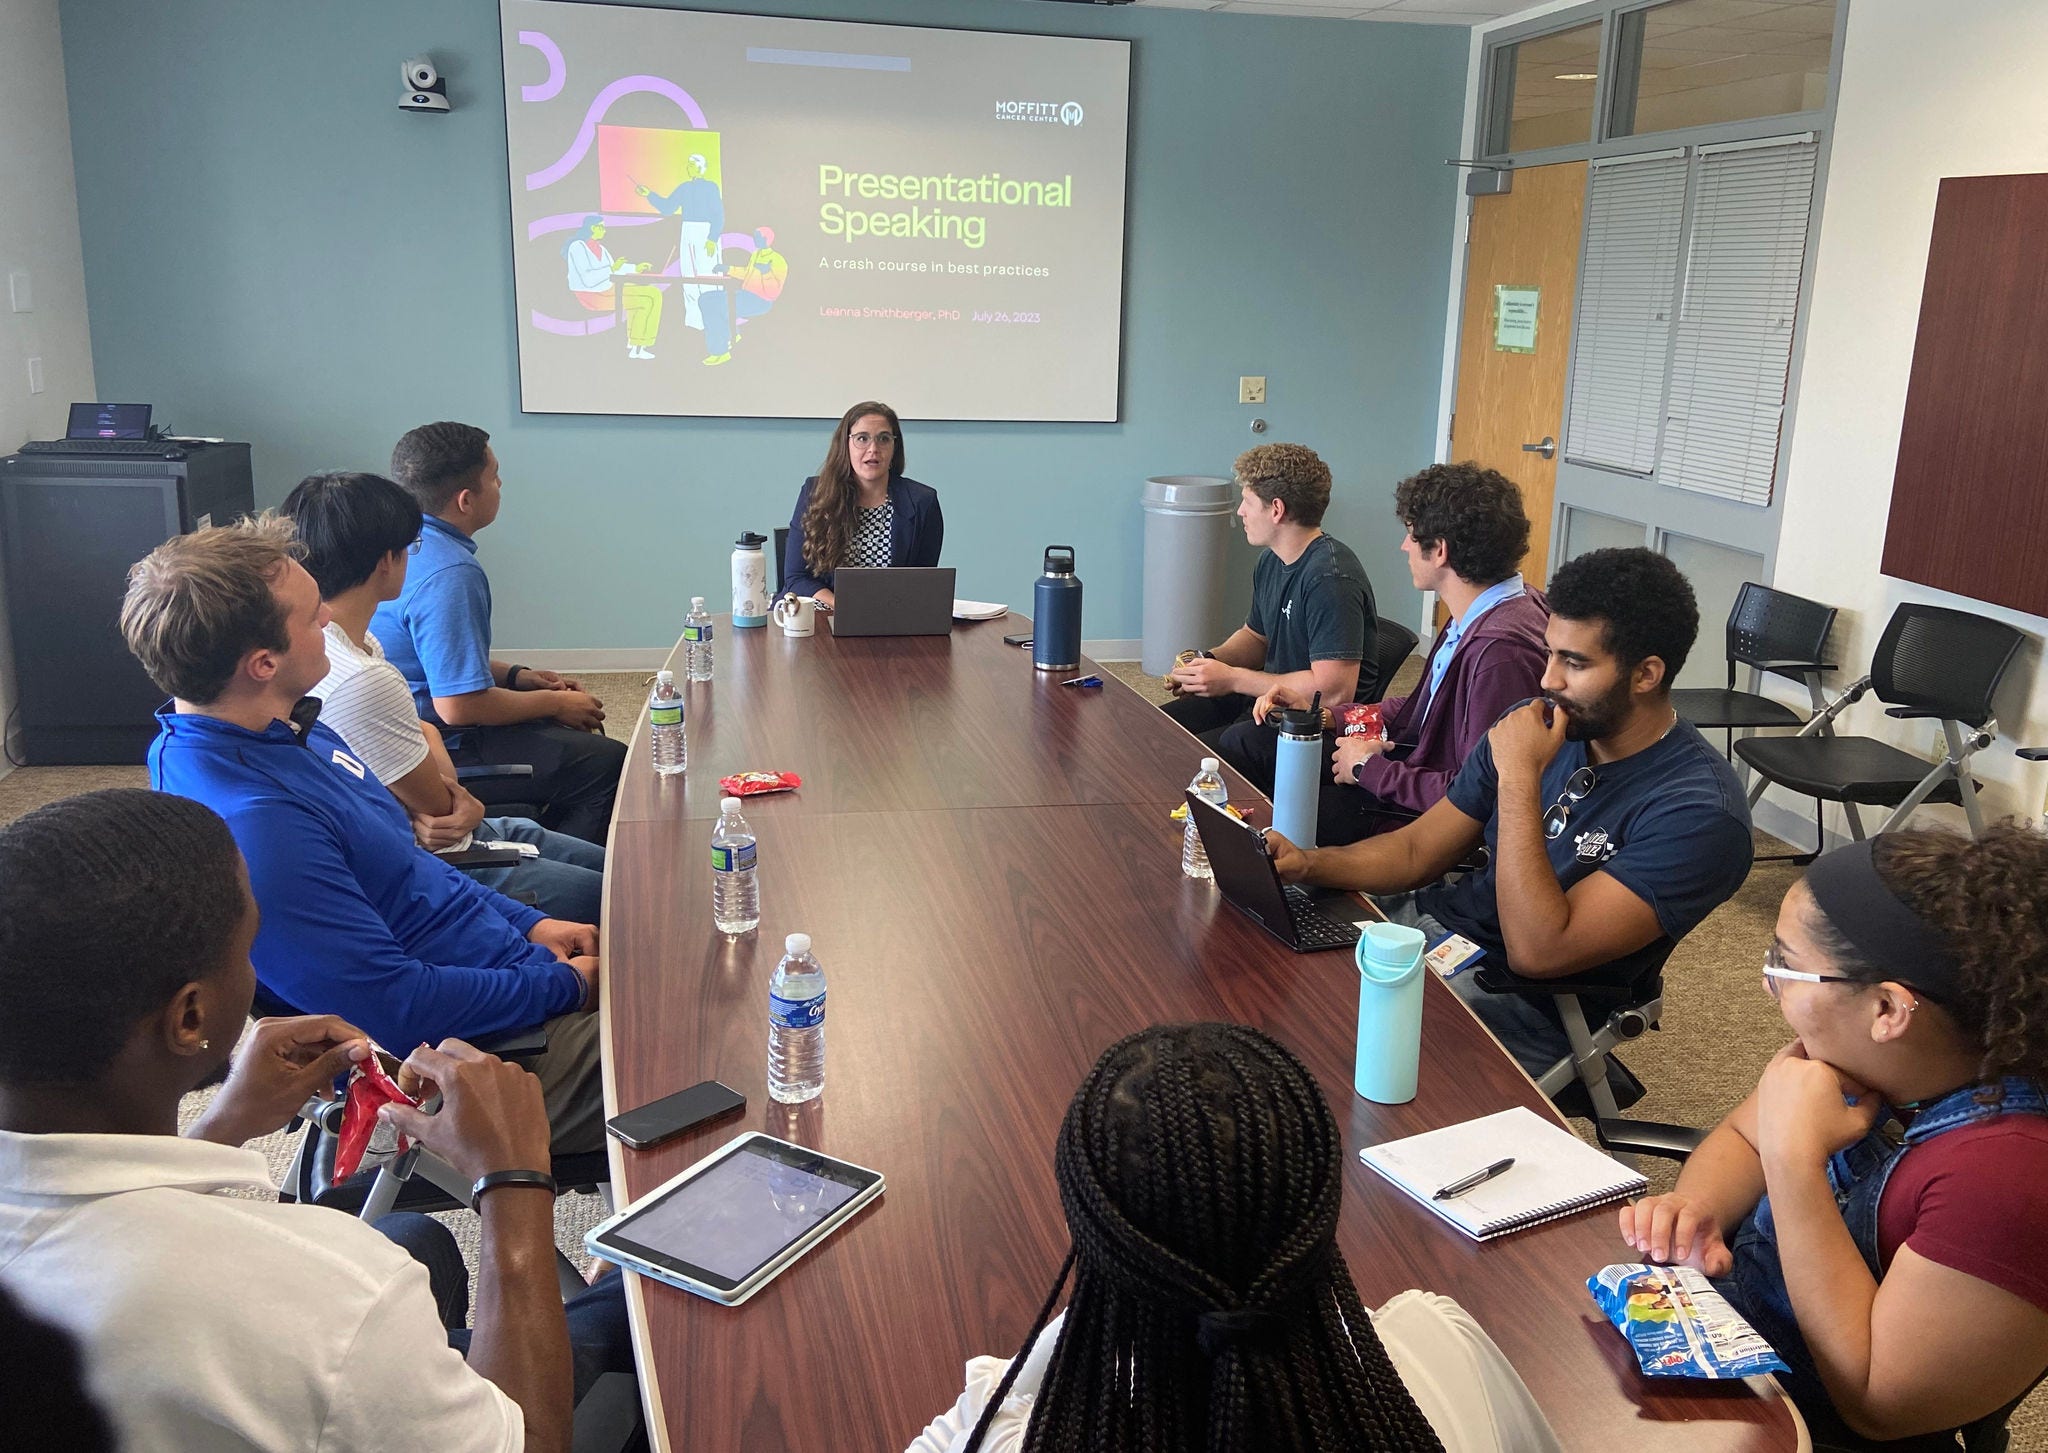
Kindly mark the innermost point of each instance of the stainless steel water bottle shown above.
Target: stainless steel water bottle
(1056, 613)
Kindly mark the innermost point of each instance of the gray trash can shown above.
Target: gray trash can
(1198, 568)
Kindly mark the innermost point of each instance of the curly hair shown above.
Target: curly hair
(436, 462)
(1294, 474)
(1474, 512)
(1202, 1172)
(198, 603)
(1643, 602)
(830, 518)
(1985, 896)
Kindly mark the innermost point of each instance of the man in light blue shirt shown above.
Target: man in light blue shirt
(438, 634)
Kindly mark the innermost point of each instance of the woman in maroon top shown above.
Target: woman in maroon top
(1878, 1205)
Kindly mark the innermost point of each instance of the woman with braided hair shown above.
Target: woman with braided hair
(1878, 1205)
(1201, 1172)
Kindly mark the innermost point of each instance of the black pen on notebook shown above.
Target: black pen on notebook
(1478, 1178)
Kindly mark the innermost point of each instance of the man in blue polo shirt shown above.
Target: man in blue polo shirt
(438, 634)
(1613, 826)
(357, 919)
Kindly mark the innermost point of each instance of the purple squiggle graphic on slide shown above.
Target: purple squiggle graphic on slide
(580, 328)
(558, 70)
(587, 133)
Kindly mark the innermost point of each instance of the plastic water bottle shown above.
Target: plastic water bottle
(665, 732)
(697, 642)
(735, 896)
(1208, 785)
(796, 1024)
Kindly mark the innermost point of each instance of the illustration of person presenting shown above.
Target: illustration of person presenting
(764, 273)
(591, 269)
(700, 205)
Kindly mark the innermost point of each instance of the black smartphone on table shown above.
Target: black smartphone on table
(670, 1116)
(1021, 639)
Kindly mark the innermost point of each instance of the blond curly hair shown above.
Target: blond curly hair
(1294, 474)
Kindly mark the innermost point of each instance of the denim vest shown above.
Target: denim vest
(1858, 1176)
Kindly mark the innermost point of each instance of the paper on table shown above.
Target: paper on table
(1554, 1174)
(978, 610)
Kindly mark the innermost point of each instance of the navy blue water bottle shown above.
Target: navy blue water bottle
(1056, 613)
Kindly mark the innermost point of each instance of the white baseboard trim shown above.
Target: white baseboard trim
(573, 659)
(1119, 650)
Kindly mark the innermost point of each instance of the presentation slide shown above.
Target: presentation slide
(753, 217)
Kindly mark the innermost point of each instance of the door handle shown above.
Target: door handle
(1548, 448)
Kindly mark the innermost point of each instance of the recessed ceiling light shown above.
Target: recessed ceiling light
(1578, 76)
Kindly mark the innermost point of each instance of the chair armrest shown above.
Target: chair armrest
(2032, 754)
(608, 1418)
(1649, 1137)
(1792, 667)
(485, 770)
(471, 858)
(517, 1045)
(1824, 718)
(1495, 980)
(1907, 713)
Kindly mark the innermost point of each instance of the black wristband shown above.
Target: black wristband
(512, 677)
(499, 1178)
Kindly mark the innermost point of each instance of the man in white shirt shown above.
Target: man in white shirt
(209, 1317)
(357, 532)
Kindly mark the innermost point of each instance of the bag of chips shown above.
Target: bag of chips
(369, 1089)
(748, 784)
(1678, 1324)
(1355, 719)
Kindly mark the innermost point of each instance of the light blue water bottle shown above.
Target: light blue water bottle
(1389, 1013)
(1298, 768)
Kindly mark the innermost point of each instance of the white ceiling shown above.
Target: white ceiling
(1415, 12)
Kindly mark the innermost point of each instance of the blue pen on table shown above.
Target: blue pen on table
(1473, 1181)
(1083, 681)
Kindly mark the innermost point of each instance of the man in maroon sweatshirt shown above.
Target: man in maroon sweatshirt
(1467, 533)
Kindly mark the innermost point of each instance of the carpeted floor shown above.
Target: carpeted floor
(1720, 1027)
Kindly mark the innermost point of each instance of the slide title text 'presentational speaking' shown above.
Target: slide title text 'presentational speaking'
(990, 188)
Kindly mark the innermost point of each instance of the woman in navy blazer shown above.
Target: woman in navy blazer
(861, 476)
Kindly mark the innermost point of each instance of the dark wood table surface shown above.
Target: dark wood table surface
(984, 862)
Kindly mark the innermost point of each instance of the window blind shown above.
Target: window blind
(1734, 338)
(1627, 289)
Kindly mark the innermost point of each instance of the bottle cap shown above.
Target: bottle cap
(1210, 764)
(797, 945)
(696, 602)
(664, 678)
(728, 807)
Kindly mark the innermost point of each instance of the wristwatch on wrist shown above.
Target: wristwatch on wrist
(512, 677)
(494, 1179)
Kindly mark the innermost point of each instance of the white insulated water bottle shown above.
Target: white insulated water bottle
(749, 581)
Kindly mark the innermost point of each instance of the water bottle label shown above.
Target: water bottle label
(666, 713)
(695, 634)
(796, 1013)
(729, 860)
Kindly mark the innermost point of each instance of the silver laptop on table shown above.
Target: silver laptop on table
(904, 600)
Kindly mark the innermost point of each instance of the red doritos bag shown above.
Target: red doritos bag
(750, 784)
(368, 1089)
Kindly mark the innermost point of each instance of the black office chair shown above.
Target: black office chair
(1931, 664)
(781, 545)
(1396, 644)
(498, 786)
(1771, 633)
(1626, 998)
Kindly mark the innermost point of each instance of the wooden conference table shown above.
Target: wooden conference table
(984, 862)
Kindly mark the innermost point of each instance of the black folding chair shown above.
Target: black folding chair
(781, 546)
(1771, 633)
(1396, 644)
(1931, 664)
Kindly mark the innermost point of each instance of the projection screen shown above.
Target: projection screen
(753, 217)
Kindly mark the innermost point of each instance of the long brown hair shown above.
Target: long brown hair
(829, 520)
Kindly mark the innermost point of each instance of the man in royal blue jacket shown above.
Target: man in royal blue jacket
(357, 919)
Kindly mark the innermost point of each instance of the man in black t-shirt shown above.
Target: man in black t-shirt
(1312, 626)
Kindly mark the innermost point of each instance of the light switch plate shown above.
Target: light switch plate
(1251, 389)
(35, 375)
(18, 294)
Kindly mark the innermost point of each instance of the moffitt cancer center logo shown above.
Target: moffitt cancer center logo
(1067, 113)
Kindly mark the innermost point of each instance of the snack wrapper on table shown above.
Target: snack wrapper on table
(1180, 813)
(751, 784)
(1678, 1325)
(1355, 719)
(369, 1089)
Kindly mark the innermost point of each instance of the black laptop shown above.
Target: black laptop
(105, 429)
(904, 600)
(1306, 920)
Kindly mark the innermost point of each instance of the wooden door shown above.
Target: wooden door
(1526, 238)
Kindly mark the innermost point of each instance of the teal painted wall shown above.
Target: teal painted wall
(274, 252)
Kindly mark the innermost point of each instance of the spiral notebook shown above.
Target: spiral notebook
(1555, 1173)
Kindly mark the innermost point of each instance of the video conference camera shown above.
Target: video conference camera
(424, 88)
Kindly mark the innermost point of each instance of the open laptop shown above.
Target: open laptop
(1305, 919)
(904, 600)
(104, 429)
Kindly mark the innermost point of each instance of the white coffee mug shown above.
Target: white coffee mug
(797, 615)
